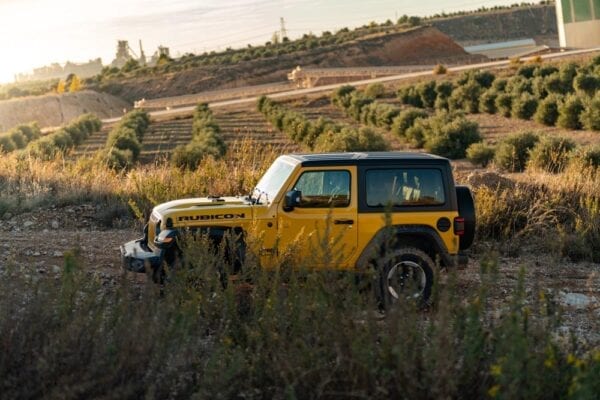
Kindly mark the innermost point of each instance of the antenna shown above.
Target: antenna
(283, 31)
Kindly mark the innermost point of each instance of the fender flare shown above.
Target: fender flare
(391, 234)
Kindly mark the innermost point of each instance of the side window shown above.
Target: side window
(324, 189)
(405, 187)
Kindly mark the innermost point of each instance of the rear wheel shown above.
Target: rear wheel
(404, 274)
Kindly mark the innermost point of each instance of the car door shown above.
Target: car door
(321, 229)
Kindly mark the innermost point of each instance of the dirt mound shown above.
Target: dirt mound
(423, 45)
(488, 179)
(534, 21)
(55, 109)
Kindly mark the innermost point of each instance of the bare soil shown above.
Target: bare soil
(37, 242)
(420, 46)
(53, 110)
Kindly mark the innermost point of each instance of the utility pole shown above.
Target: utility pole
(283, 31)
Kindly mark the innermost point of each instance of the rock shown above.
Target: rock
(54, 224)
(577, 300)
(8, 215)
(27, 224)
(45, 231)
(37, 254)
(57, 254)
(56, 269)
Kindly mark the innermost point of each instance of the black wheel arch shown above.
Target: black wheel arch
(422, 237)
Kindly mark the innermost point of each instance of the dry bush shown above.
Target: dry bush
(291, 332)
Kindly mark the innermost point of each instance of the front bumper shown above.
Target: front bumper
(136, 256)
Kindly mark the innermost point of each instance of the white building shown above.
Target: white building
(578, 23)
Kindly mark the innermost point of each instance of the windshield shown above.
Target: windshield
(271, 182)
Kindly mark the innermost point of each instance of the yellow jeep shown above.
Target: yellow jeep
(396, 212)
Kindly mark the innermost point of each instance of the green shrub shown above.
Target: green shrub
(444, 89)
(587, 155)
(340, 97)
(512, 153)
(124, 139)
(119, 158)
(384, 115)
(504, 104)
(375, 90)
(207, 140)
(445, 133)
(190, 155)
(62, 140)
(567, 73)
(18, 138)
(551, 154)
(569, 112)
(441, 104)
(539, 88)
(554, 84)
(43, 148)
(451, 139)
(138, 120)
(524, 106)
(89, 123)
(587, 84)
(500, 84)
(547, 111)
(358, 100)
(480, 154)
(485, 79)
(518, 85)
(590, 116)
(406, 119)
(6, 143)
(415, 135)
(408, 95)
(466, 98)
(545, 70)
(427, 92)
(487, 101)
(349, 139)
(527, 71)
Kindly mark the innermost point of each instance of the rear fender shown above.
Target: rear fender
(420, 236)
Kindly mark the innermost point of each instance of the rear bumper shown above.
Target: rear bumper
(136, 256)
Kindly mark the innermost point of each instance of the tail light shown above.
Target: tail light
(459, 226)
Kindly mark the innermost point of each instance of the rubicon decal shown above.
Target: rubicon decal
(210, 217)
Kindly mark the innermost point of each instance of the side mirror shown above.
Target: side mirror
(292, 199)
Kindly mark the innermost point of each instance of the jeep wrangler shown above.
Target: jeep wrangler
(396, 213)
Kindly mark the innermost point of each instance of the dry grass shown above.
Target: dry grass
(26, 182)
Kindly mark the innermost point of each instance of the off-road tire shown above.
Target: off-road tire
(404, 274)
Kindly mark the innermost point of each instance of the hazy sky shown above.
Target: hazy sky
(34, 33)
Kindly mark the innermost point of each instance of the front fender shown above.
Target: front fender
(166, 239)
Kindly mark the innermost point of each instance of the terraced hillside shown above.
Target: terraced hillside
(164, 135)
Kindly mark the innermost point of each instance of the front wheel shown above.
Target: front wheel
(172, 260)
(404, 274)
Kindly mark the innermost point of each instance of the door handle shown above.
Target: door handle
(343, 221)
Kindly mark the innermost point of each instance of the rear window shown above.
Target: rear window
(405, 187)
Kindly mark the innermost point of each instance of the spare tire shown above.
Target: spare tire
(466, 209)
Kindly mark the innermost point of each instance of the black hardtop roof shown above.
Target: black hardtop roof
(378, 157)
